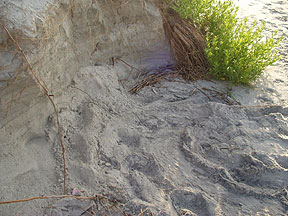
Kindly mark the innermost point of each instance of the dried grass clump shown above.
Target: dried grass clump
(188, 47)
(187, 44)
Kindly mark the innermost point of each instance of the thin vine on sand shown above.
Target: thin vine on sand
(49, 96)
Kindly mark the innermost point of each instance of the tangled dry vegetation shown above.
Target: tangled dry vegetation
(187, 44)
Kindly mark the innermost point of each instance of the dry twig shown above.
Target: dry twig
(46, 197)
(153, 79)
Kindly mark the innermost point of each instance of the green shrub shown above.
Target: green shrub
(235, 51)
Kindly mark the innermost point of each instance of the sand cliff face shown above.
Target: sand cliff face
(62, 36)
(178, 149)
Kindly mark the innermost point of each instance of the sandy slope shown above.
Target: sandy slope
(174, 149)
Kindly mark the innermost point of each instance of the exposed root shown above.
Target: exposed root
(187, 44)
(47, 93)
(101, 205)
(188, 47)
(154, 78)
(46, 197)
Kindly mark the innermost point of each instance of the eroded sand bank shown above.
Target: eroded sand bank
(173, 149)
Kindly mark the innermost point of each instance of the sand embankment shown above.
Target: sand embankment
(174, 149)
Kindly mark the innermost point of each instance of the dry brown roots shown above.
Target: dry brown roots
(187, 44)
(188, 48)
(49, 96)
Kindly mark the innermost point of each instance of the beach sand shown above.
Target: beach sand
(175, 148)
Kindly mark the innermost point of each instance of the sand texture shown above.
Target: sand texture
(175, 148)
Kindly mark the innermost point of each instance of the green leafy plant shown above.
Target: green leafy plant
(235, 51)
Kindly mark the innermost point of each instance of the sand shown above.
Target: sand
(176, 148)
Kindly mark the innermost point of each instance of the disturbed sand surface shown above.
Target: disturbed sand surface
(173, 149)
